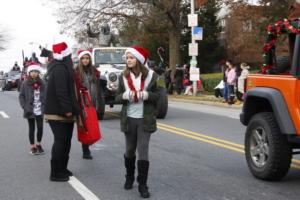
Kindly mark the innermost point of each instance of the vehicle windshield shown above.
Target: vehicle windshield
(13, 73)
(109, 56)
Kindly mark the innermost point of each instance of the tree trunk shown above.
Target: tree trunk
(174, 49)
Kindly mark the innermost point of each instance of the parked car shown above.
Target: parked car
(12, 80)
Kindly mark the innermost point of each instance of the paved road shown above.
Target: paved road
(197, 154)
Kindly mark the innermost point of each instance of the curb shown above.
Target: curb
(204, 102)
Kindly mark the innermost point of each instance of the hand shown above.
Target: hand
(69, 114)
(143, 95)
(128, 95)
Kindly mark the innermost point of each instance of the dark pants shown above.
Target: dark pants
(86, 149)
(62, 132)
(231, 92)
(218, 92)
(39, 125)
(179, 86)
(138, 139)
(239, 96)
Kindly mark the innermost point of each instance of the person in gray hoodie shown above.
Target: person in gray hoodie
(31, 99)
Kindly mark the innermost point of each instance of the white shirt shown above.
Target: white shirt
(37, 104)
(136, 109)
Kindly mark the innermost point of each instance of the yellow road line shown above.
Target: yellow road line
(296, 161)
(295, 166)
(203, 140)
(208, 139)
(202, 135)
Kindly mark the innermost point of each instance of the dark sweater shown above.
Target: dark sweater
(26, 98)
(60, 93)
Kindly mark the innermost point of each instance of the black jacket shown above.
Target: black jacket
(60, 93)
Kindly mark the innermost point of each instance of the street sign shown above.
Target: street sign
(198, 33)
(192, 20)
(193, 63)
(194, 74)
(193, 49)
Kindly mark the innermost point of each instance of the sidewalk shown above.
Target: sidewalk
(203, 99)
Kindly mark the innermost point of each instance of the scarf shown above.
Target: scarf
(132, 88)
(35, 83)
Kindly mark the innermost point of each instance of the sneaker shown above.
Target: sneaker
(33, 151)
(40, 150)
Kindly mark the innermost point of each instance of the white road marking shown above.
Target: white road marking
(4, 115)
(81, 189)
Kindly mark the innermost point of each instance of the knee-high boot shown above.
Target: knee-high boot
(130, 168)
(143, 168)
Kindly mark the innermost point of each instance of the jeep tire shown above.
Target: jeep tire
(267, 150)
(162, 104)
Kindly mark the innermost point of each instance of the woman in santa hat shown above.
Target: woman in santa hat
(87, 78)
(139, 95)
(31, 99)
(61, 109)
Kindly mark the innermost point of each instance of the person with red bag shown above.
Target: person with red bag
(139, 95)
(88, 80)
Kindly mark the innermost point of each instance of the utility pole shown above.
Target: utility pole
(193, 62)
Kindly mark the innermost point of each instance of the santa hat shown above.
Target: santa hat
(60, 50)
(140, 53)
(84, 52)
(33, 66)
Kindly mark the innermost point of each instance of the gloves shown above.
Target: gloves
(143, 95)
(128, 95)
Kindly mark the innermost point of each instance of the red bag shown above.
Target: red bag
(89, 133)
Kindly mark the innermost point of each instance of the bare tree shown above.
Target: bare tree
(73, 15)
(3, 41)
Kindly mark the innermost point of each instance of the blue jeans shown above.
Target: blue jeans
(226, 92)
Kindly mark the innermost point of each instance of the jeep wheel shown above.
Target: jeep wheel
(162, 104)
(268, 152)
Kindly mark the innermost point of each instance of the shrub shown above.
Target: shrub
(210, 81)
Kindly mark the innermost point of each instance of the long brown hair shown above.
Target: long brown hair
(90, 69)
(140, 69)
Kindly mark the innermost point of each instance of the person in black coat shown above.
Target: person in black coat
(179, 75)
(61, 109)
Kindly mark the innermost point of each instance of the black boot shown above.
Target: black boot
(65, 167)
(130, 167)
(143, 167)
(56, 172)
(86, 152)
